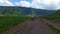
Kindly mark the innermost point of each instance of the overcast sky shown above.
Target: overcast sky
(39, 4)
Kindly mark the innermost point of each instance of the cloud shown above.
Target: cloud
(5, 3)
(46, 4)
(41, 4)
(23, 4)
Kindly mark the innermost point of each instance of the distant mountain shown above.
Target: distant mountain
(55, 15)
(43, 12)
(23, 10)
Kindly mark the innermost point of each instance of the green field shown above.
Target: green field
(10, 21)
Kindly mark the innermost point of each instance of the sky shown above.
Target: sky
(38, 4)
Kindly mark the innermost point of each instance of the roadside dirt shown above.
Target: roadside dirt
(55, 22)
(30, 27)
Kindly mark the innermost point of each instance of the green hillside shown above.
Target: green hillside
(55, 15)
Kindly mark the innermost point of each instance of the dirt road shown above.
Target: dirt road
(31, 27)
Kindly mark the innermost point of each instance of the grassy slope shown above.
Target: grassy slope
(10, 21)
(57, 31)
(55, 15)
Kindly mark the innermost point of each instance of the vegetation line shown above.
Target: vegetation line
(54, 28)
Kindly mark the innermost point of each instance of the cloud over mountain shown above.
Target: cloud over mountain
(39, 4)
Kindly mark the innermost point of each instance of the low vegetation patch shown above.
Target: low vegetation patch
(7, 22)
(54, 28)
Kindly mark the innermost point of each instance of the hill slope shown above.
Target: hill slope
(55, 15)
(23, 10)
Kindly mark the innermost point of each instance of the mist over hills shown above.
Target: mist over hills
(23, 10)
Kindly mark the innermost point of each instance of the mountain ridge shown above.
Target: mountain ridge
(23, 10)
